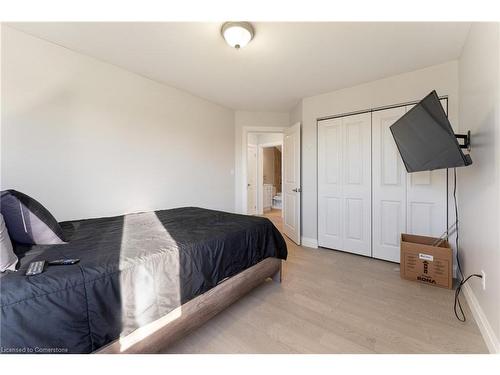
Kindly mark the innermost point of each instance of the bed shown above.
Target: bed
(143, 280)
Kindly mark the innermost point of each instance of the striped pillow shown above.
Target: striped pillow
(8, 259)
(28, 221)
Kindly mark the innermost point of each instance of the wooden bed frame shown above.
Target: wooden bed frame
(158, 335)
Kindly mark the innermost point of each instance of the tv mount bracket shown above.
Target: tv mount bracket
(466, 139)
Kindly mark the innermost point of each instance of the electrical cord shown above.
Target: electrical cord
(463, 280)
(457, 297)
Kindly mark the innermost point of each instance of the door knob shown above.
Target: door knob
(297, 190)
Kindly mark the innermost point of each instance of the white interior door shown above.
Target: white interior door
(330, 172)
(357, 184)
(344, 184)
(402, 202)
(291, 183)
(252, 179)
(426, 200)
(389, 187)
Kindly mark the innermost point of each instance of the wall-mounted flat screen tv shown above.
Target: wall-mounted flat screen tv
(425, 138)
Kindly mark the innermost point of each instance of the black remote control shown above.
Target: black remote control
(63, 262)
(35, 268)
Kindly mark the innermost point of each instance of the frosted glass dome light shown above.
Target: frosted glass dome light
(237, 34)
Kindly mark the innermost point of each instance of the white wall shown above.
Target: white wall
(479, 184)
(89, 139)
(242, 120)
(296, 113)
(392, 90)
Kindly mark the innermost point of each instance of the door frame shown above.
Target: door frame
(244, 141)
(260, 174)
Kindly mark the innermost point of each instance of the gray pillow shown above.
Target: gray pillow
(27, 221)
(8, 259)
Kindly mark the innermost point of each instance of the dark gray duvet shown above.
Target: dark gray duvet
(133, 270)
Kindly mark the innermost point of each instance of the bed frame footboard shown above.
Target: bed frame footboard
(158, 335)
(278, 275)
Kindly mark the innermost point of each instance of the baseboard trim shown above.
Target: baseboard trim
(487, 332)
(309, 242)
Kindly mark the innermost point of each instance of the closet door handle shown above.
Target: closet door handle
(297, 190)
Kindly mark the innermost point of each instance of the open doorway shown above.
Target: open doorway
(271, 177)
(264, 173)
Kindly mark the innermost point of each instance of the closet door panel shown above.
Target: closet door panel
(357, 183)
(330, 202)
(426, 200)
(390, 222)
(389, 187)
(426, 204)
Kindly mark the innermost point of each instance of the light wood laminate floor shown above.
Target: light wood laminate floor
(335, 302)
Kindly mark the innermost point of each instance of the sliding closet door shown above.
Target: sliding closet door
(344, 184)
(330, 211)
(389, 187)
(402, 202)
(357, 184)
(426, 200)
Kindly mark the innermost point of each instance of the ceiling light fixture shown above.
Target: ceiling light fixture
(237, 34)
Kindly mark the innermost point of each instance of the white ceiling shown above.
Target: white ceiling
(284, 62)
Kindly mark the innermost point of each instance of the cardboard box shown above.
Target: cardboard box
(423, 262)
